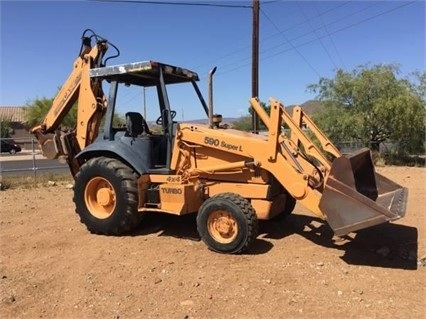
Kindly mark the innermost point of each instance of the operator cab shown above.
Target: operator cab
(152, 148)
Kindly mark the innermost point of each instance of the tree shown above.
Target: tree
(244, 123)
(418, 84)
(372, 105)
(266, 107)
(5, 127)
(36, 111)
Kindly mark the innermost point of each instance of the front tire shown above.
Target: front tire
(106, 196)
(227, 223)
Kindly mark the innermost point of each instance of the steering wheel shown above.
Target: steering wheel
(159, 121)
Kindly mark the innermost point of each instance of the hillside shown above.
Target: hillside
(310, 107)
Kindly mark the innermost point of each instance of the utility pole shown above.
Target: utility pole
(255, 64)
(144, 103)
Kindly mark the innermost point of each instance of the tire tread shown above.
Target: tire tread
(130, 217)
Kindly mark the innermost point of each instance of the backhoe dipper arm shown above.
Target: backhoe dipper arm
(80, 88)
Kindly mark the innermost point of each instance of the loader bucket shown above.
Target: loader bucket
(356, 197)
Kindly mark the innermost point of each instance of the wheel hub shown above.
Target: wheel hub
(104, 196)
(222, 226)
(100, 197)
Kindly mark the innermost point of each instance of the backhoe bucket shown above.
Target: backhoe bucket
(355, 197)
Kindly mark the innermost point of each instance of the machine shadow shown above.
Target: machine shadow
(185, 227)
(387, 245)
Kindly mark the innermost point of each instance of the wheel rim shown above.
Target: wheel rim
(100, 197)
(222, 226)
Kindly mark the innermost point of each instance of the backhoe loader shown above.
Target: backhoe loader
(229, 178)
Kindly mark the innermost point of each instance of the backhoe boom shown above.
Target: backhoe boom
(87, 93)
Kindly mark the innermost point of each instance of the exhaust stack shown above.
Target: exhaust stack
(210, 83)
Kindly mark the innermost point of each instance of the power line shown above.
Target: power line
(280, 31)
(329, 24)
(346, 27)
(292, 45)
(330, 37)
(177, 3)
(273, 35)
(306, 21)
(316, 35)
(215, 5)
(334, 32)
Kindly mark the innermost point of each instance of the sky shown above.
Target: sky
(300, 42)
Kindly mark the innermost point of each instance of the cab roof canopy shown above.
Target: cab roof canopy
(146, 73)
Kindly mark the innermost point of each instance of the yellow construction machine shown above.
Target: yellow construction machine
(230, 178)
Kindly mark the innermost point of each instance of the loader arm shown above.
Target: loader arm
(91, 105)
(351, 194)
(279, 116)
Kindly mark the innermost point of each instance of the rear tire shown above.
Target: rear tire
(106, 196)
(227, 223)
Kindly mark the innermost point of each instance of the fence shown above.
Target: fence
(26, 160)
(349, 147)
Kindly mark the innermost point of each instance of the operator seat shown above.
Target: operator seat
(136, 124)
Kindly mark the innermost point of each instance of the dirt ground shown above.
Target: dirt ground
(52, 267)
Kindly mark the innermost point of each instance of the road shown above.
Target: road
(26, 164)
